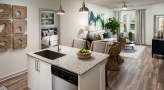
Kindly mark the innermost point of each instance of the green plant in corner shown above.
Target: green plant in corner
(113, 25)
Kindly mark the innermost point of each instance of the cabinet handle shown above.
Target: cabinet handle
(38, 66)
(35, 65)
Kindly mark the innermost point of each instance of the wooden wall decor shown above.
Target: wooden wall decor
(5, 27)
(5, 43)
(19, 12)
(19, 26)
(5, 11)
(19, 41)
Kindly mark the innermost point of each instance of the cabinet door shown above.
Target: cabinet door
(45, 76)
(32, 74)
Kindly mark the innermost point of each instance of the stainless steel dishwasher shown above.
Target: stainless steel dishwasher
(63, 79)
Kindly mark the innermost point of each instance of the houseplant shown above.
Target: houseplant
(113, 25)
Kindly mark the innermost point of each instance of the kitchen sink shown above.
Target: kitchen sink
(49, 54)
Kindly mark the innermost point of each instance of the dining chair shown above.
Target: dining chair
(123, 42)
(101, 47)
(79, 43)
(98, 46)
(113, 63)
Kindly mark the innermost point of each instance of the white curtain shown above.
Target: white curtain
(117, 15)
(140, 26)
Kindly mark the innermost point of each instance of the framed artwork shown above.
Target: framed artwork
(5, 11)
(158, 23)
(100, 21)
(19, 41)
(19, 12)
(92, 19)
(5, 27)
(19, 26)
(47, 18)
(5, 43)
(96, 20)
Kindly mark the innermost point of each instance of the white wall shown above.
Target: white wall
(151, 10)
(73, 22)
(13, 61)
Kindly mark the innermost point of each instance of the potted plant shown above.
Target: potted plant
(113, 25)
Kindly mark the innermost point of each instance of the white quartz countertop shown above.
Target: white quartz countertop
(70, 61)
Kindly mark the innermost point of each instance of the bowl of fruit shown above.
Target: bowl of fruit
(84, 54)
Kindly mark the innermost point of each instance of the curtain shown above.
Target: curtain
(117, 15)
(140, 27)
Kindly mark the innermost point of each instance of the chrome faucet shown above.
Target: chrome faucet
(58, 48)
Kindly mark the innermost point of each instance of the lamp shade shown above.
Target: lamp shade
(87, 28)
(83, 9)
(60, 11)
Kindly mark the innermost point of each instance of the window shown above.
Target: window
(127, 24)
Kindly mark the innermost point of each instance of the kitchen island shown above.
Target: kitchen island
(91, 72)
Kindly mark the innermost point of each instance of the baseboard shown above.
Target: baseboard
(13, 75)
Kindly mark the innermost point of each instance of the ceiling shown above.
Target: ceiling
(119, 3)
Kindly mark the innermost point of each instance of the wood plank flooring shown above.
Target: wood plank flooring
(145, 73)
(16, 83)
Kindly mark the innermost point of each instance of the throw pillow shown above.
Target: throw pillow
(105, 35)
(51, 31)
(45, 33)
(98, 37)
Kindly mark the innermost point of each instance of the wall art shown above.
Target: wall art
(5, 11)
(19, 12)
(47, 18)
(96, 20)
(5, 27)
(92, 19)
(100, 21)
(5, 43)
(19, 26)
(19, 41)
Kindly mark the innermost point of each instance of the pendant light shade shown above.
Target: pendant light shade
(124, 7)
(83, 9)
(60, 11)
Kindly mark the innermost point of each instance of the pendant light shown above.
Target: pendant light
(83, 9)
(124, 7)
(60, 11)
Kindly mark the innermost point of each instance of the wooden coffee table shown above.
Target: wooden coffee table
(129, 44)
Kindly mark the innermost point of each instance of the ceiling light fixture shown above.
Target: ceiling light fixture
(124, 7)
(83, 9)
(60, 11)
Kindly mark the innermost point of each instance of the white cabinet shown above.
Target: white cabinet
(39, 74)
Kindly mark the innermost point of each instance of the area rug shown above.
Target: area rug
(133, 54)
(3, 88)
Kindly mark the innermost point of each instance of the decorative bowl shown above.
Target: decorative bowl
(84, 55)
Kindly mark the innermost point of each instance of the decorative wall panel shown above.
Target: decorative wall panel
(5, 43)
(5, 27)
(19, 12)
(5, 11)
(19, 41)
(19, 26)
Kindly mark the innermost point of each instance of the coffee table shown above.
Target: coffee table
(129, 44)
